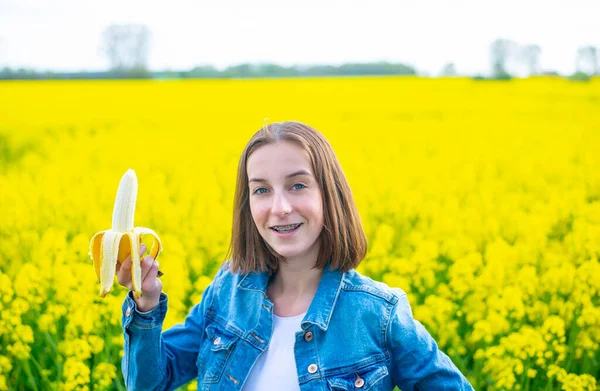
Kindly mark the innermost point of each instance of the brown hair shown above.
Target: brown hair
(343, 241)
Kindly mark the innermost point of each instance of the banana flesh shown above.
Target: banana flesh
(110, 247)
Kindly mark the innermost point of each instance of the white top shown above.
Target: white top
(275, 368)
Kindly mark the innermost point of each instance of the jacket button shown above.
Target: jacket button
(128, 311)
(359, 383)
(312, 368)
(217, 341)
(308, 336)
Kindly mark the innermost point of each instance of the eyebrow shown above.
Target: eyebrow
(297, 173)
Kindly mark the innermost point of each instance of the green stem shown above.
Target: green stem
(52, 343)
(572, 347)
(30, 379)
(47, 382)
(549, 385)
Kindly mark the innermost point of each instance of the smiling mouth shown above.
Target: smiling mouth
(285, 228)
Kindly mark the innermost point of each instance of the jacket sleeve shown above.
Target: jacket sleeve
(416, 361)
(162, 361)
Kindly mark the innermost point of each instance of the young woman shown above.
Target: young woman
(287, 311)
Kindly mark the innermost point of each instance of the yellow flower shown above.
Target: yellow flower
(75, 374)
(19, 350)
(24, 334)
(489, 222)
(96, 344)
(6, 291)
(5, 365)
(103, 376)
(47, 323)
(78, 348)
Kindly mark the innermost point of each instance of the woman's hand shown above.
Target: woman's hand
(151, 285)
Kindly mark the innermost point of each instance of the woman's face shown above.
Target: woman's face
(285, 201)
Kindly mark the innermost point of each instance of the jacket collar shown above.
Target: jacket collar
(321, 308)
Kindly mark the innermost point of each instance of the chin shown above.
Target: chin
(287, 253)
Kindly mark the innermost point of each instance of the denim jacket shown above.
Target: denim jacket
(357, 334)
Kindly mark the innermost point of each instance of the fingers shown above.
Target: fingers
(151, 285)
(149, 278)
(142, 249)
(147, 264)
(124, 269)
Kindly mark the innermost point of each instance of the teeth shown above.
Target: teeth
(285, 227)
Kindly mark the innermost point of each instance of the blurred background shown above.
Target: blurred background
(189, 39)
(469, 132)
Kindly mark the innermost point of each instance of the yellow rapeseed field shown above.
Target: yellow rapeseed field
(480, 199)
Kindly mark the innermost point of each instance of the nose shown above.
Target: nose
(281, 205)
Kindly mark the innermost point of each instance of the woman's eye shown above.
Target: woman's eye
(260, 190)
(298, 188)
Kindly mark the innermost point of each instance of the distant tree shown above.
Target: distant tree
(579, 76)
(449, 70)
(530, 55)
(587, 60)
(203, 71)
(274, 70)
(501, 51)
(320, 70)
(127, 47)
(550, 72)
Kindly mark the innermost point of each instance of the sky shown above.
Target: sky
(66, 35)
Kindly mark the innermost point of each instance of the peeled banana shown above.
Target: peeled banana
(110, 247)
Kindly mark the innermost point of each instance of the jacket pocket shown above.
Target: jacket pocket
(214, 356)
(368, 378)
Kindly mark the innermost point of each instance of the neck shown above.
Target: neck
(292, 288)
(295, 280)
